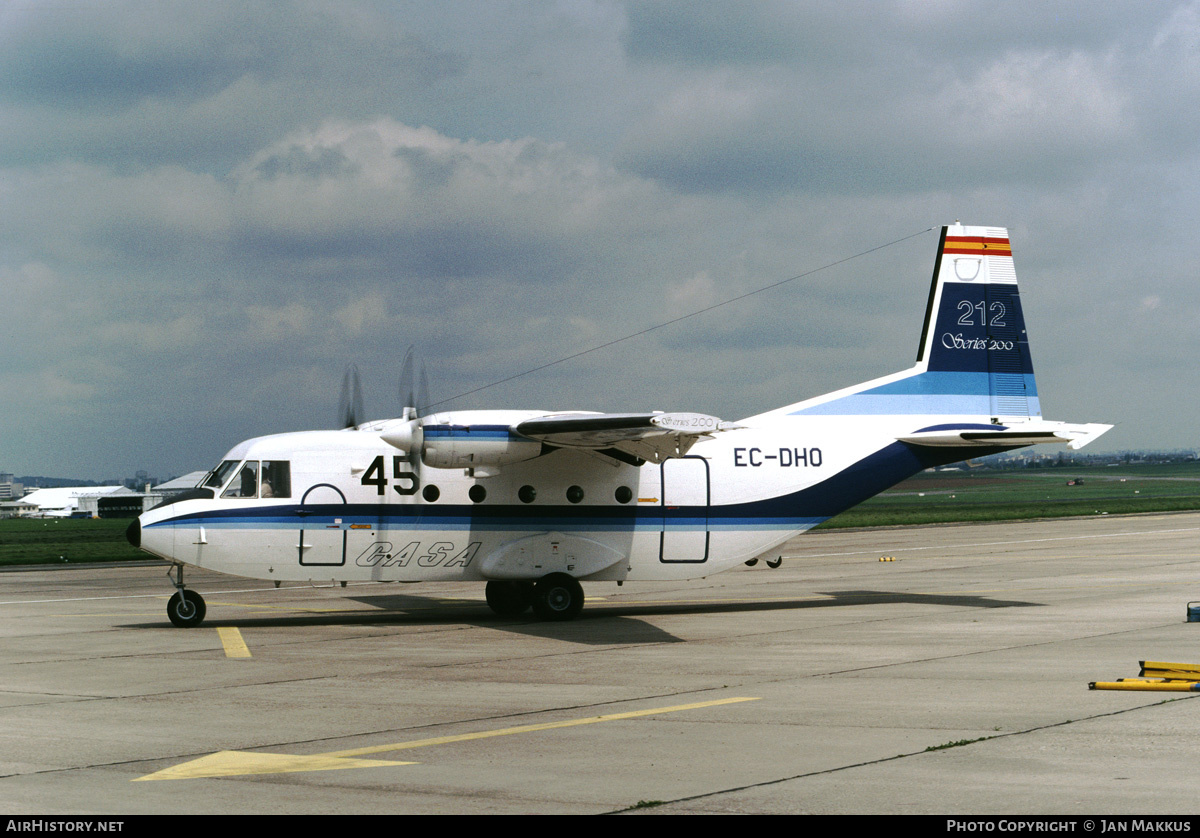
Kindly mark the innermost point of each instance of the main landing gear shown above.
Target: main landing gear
(556, 596)
(771, 563)
(186, 608)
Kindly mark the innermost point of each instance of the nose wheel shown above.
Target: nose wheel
(185, 609)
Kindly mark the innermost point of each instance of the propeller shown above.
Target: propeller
(350, 406)
(404, 433)
(414, 400)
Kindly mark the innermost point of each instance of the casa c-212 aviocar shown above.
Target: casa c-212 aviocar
(534, 502)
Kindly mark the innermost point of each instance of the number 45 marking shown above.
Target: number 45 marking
(375, 476)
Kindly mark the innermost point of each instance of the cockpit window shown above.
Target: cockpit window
(216, 477)
(276, 479)
(245, 485)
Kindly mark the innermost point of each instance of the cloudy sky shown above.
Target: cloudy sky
(208, 210)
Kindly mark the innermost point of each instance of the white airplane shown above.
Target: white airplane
(533, 501)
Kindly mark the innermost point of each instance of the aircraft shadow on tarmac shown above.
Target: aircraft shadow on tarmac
(408, 606)
(600, 622)
(956, 600)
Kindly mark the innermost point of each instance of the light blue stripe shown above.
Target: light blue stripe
(968, 393)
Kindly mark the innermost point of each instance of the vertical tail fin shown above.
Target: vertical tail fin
(972, 386)
(974, 354)
(974, 339)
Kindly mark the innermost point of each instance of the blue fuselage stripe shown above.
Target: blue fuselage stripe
(798, 509)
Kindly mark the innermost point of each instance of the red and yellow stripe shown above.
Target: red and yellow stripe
(977, 246)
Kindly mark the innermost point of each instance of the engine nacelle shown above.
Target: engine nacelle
(475, 446)
(476, 439)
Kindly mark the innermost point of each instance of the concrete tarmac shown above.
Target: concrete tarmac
(953, 680)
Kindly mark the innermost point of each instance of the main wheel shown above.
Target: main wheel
(186, 609)
(557, 597)
(509, 599)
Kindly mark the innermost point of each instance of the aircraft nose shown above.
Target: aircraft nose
(134, 532)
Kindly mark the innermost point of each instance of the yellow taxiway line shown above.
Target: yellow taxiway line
(238, 763)
(231, 639)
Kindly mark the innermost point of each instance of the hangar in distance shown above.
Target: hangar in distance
(532, 502)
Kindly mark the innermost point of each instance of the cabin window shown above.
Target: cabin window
(477, 493)
(575, 494)
(245, 485)
(216, 478)
(527, 494)
(431, 493)
(276, 479)
(623, 494)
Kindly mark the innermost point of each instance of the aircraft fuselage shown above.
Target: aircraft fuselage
(358, 509)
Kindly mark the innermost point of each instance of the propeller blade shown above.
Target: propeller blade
(422, 403)
(408, 397)
(350, 406)
(414, 384)
(409, 401)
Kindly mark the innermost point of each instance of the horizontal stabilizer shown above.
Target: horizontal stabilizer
(1013, 434)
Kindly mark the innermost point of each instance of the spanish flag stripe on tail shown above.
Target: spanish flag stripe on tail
(978, 246)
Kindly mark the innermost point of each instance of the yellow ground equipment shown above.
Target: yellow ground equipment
(1157, 676)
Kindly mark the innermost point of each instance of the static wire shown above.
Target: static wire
(683, 317)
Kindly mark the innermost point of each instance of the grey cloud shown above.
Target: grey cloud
(738, 33)
(828, 39)
(314, 163)
(901, 97)
(429, 169)
(110, 56)
(1024, 117)
(418, 203)
(198, 82)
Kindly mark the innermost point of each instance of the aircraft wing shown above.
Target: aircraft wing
(1014, 434)
(646, 436)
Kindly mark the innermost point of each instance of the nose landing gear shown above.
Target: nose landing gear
(186, 608)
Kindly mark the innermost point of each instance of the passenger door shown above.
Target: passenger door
(685, 501)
